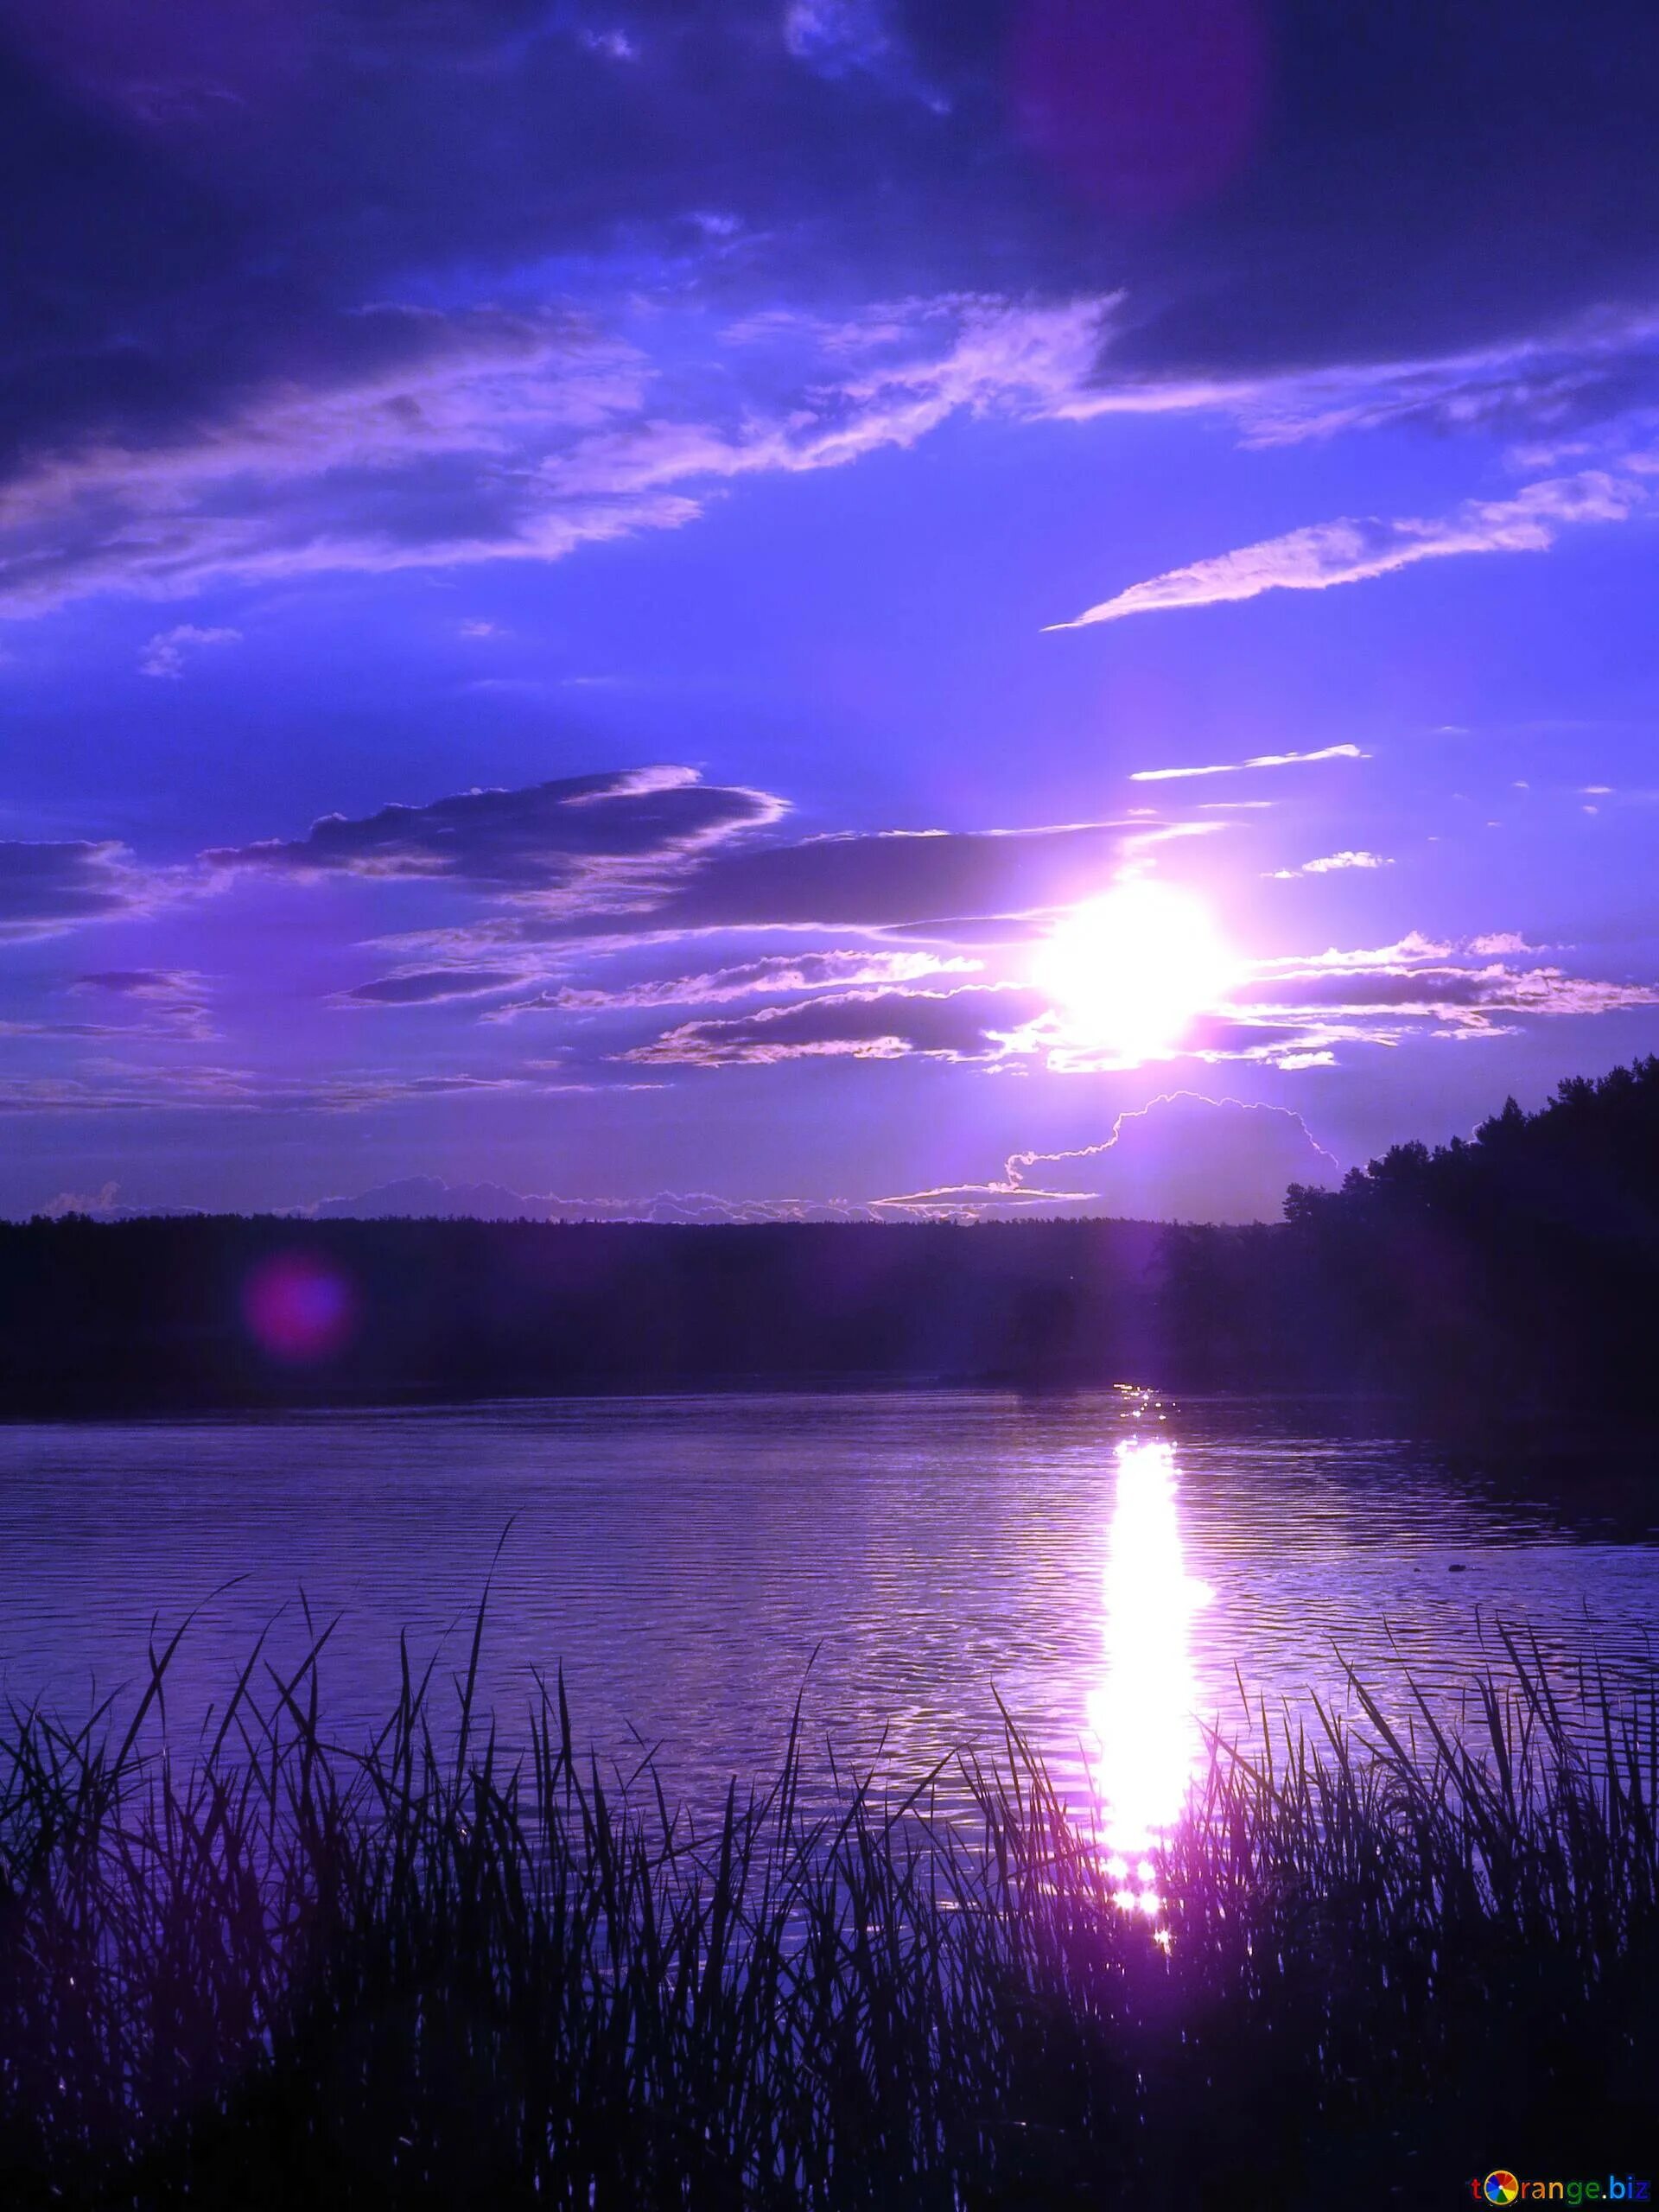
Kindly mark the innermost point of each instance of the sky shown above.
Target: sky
(747, 608)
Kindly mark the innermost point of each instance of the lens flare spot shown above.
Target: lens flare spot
(299, 1307)
(1143, 106)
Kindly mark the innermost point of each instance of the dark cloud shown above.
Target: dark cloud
(202, 217)
(1416, 172)
(169, 1002)
(675, 858)
(432, 986)
(963, 1025)
(47, 888)
(209, 197)
(891, 879)
(599, 841)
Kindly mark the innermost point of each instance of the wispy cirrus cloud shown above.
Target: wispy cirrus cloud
(1548, 384)
(385, 454)
(421, 438)
(167, 1001)
(773, 975)
(1454, 996)
(1258, 761)
(425, 439)
(123, 1087)
(1354, 550)
(47, 888)
(832, 37)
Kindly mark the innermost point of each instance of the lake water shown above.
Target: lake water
(1106, 1562)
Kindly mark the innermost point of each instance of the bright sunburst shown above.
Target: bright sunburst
(1132, 970)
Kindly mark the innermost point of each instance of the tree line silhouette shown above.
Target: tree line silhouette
(1514, 1273)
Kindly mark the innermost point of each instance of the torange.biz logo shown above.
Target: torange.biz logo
(1501, 2187)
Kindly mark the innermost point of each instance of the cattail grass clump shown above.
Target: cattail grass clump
(424, 1970)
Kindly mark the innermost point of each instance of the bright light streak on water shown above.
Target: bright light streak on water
(908, 1557)
(1142, 1715)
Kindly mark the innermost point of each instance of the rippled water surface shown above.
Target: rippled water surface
(684, 1559)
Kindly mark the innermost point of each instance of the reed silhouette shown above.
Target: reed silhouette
(454, 1965)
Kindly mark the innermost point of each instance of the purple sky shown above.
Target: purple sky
(582, 586)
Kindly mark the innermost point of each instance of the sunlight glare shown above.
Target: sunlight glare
(1142, 1716)
(1131, 971)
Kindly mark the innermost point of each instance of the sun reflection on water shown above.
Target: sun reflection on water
(1141, 1716)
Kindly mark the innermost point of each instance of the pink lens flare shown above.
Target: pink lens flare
(1143, 106)
(300, 1307)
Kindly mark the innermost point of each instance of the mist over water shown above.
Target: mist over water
(1104, 1563)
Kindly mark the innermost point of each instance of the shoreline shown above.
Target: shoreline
(56, 1411)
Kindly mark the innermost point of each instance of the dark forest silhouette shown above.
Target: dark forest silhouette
(1515, 1273)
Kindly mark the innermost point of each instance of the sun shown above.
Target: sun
(1131, 971)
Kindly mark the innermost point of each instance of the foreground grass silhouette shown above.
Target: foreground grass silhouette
(419, 1972)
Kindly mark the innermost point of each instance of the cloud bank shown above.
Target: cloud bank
(429, 1197)
(431, 439)
(578, 901)
(1181, 1157)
